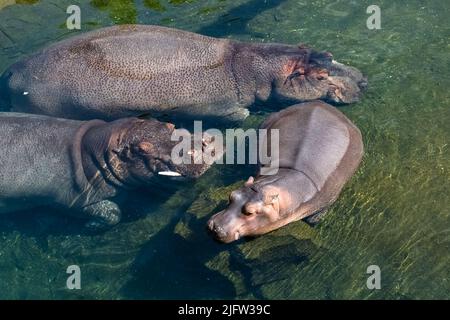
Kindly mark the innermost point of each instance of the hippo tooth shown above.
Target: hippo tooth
(236, 235)
(25, 93)
(169, 173)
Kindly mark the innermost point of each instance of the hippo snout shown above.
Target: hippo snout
(224, 227)
(218, 232)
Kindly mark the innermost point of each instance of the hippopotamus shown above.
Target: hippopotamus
(130, 70)
(319, 151)
(84, 165)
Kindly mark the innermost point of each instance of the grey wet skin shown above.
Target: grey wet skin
(320, 149)
(83, 165)
(130, 70)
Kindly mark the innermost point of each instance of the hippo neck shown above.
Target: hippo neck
(78, 166)
(101, 164)
(255, 67)
(297, 185)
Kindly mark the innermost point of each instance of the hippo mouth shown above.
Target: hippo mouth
(221, 235)
(165, 169)
(318, 74)
(346, 83)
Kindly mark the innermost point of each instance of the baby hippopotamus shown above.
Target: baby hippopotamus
(131, 70)
(319, 150)
(83, 165)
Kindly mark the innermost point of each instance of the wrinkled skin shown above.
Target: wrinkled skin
(85, 166)
(131, 70)
(320, 149)
(142, 151)
(253, 209)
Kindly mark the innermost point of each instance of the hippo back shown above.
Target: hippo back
(145, 52)
(319, 141)
(120, 71)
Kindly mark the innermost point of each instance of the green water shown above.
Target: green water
(394, 212)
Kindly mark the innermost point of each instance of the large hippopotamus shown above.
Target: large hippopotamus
(83, 165)
(131, 70)
(319, 151)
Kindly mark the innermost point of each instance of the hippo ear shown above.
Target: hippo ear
(303, 46)
(249, 181)
(295, 68)
(169, 126)
(305, 52)
(146, 147)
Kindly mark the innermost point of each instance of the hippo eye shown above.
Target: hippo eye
(248, 210)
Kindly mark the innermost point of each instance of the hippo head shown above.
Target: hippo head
(144, 149)
(303, 74)
(252, 210)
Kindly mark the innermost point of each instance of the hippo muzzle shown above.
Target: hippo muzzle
(252, 210)
(226, 226)
(346, 83)
(306, 74)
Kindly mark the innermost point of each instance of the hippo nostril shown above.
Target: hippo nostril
(216, 230)
(362, 84)
(219, 232)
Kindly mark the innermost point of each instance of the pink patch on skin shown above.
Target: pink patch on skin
(289, 68)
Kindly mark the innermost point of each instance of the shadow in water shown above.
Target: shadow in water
(171, 267)
(40, 222)
(235, 20)
(274, 264)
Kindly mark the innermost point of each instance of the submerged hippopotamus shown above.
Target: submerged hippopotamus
(319, 150)
(83, 165)
(141, 69)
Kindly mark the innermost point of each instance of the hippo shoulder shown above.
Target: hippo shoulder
(144, 52)
(316, 138)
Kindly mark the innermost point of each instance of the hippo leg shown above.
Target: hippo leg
(104, 214)
(315, 218)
